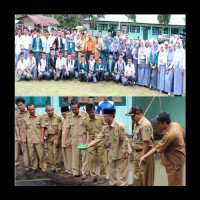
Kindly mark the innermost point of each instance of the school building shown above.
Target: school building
(151, 106)
(146, 26)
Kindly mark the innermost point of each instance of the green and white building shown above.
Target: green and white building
(146, 26)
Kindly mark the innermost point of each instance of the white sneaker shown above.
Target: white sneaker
(160, 92)
(169, 94)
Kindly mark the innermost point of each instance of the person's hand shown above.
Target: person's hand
(42, 141)
(159, 70)
(144, 54)
(66, 143)
(40, 73)
(45, 133)
(54, 71)
(134, 50)
(124, 156)
(182, 71)
(83, 72)
(146, 65)
(20, 140)
(142, 160)
(33, 50)
(139, 66)
(31, 68)
(88, 145)
(67, 73)
(161, 60)
(167, 70)
(106, 144)
(25, 143)
(113, 74)
(105, 70)
(151, 65)
(57, 143)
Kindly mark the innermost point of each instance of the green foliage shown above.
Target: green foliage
(164, 19)
(131, 17)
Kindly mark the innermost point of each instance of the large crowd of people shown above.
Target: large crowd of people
(67, 55)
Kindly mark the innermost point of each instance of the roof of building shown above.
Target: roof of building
(176, 19)
(41, 20)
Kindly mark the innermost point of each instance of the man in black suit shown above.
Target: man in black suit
(52, 64)
(58, 41)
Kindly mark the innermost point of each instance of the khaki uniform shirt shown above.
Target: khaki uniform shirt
(116, 134)
(64, 134)
(97, 50)
(33, 126)
(52, 125)
(172, 146)
(74, 123)
(82, 44)
(19, 117)
(143, 131)
(93, 127)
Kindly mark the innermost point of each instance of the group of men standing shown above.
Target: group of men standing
(100, 134)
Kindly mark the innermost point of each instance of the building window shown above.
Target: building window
(134, 29)
(156, 31)
(125, 28)
(65, 101)
(165, 30)
(93, 26)
(184, 30)
(37, 101)
(103, 27)
(174, 31)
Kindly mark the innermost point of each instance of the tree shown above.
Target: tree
(92, 19)
(163, 20)
(131, 17)
(69, 20)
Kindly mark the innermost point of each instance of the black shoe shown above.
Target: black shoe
(53, 171)
(69, 174)
(39, 168)
(65, 173)
(57, 171)
(92, 180)
(101, 181)
(34, 171)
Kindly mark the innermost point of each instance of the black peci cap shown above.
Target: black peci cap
(109, 111)
(162, 117)
(134, 110)
(64, 108)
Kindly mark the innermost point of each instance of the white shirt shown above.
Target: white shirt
(51, 40)
(69, 64)
(42, 66)
(18, 41)
(60, 62)
(130, 70)
(30, 62)
(46, 44)
(162, 56)
(100, 39)
(26, 40)
(140, 54)
(91, 64)
(22, 65)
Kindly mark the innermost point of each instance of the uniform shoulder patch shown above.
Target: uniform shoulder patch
(122, 128)
(83, 124)
(163, 141)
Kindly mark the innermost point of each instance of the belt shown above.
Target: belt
(139, 150)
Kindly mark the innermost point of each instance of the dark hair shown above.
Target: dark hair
(90, 97)
(100, 31)
(57, 50)
(26, 28)
(109, 30)
(37, 31)
(20, 99)
(43, 53)
(52, 29)
(120, 55)
(19, 29)
(75, 102)
(91, 54)
(65, 50)
(47, 31)
(100, 58)
(53, 44)
(52, 49)
(118, 30)
(32, 30)
(21, 53)
(60, 52)
(90, 107)
(82, 56)
(30, 104)
(30, 52)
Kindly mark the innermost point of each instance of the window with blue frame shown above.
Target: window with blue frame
(93, 26)
(156, 31)
(174, 31)
(134, 29)
(37, 101)
(165, 30)
(103, 27)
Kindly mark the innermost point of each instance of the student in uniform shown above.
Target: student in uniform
(21, 68)
(135, 60)
(75, 60)
(162, 61)
(100, 69)
(54, 48)
(65, 54)
(42, 68)
(25, 43)
(97, 48)
(18, 40)
(169, 70)
(69, 69)
(82, 69)
(76, 49)
(109, 68)
(179, 70)
(119, 69)
(46, 44)
(153, 60)
(70, 45)
(127, 53)
(166, 46)
(90, 46)
(51, 38)
(57, 54)
(114, 49)
(60, 65)
(121, 47)
(141, 63)
(100, 37)
(91, 69)
(37, 47)
(31, 66)
(129, 74)
(52, 64)
(58, 41)
(104, 50)
(109, 37)
(147, 68)
(109, 49)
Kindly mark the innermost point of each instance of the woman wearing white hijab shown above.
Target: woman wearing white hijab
(141, 63)
(162, 61)
(169, 70)
(179, 70)
(153, 60)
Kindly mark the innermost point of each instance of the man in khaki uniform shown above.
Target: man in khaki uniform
(143, 141)
(66, 150)
(32, 137)
(82, 47)
(115, 134)
(73, 126)
(97, 48)
(93, 125)
(52, 123)
(17, 145)
(19, 116)
(172, 147)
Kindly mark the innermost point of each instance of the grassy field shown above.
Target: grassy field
(71, 88)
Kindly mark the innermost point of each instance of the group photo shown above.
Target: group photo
(69, 56)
